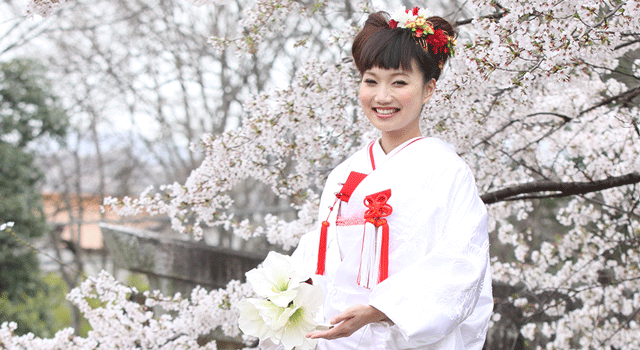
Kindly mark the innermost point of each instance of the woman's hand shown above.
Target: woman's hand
(350, 321)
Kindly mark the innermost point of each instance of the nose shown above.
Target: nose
(382, 95)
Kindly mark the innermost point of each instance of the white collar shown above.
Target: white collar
(380, 156)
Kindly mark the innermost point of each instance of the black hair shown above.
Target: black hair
(378, 45)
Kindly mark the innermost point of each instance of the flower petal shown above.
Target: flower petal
(310, 297)
(278, 266)
(251, 322)
(269, 312)
(277, 279)
(284, 298)
(281, 321)
(300, 323)
(259, 282)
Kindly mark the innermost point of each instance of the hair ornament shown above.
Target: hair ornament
(416, 21)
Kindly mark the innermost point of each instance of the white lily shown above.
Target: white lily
(263, 319)
(277, 279)
(251, 321)
(289, 308)
(302, 320)
(287, 325)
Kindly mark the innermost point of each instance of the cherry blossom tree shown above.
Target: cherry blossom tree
(540, 101)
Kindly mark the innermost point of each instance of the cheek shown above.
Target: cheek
(365, 96)
(411, 97)
(406, 98)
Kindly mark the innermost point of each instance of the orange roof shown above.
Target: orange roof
(79, 216)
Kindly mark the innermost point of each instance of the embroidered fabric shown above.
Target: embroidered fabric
(457, 303)
(450, 301)
(482, 331)
(341, 221)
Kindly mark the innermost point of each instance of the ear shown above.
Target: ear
(429, 88)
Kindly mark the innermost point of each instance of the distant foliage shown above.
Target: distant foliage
(28, 111)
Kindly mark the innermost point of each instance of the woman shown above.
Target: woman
(402, 254)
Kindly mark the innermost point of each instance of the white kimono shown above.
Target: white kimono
(438, 290)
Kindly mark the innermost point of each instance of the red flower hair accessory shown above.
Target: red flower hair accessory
(415, 20)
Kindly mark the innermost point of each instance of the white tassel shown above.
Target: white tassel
(369, 257)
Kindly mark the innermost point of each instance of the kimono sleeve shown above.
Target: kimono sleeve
(305, 255)
(429, 298)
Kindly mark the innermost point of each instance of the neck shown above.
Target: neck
(389, 142)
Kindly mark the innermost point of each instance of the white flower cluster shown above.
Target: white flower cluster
(43, 8)
(288, 307)
(6, 225)
(263, 18)
(402, 15)
(262, 148)
(119, 322)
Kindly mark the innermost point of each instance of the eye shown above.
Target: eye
(400, 82)
(370, 81)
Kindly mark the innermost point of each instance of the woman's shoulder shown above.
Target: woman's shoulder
(440, 160)
(342, 168)
(432, 150)
(435, 144)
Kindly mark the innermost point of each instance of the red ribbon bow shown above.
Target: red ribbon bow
(378, 208)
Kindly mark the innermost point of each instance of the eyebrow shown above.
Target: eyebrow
(392, 74)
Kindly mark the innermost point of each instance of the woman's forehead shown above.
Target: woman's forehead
(386, 71)
(393, 71)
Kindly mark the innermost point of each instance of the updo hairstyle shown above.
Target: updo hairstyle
(378, 45)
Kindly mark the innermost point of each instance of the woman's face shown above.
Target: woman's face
(392, 100)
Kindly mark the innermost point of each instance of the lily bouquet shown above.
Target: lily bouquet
(287, 307)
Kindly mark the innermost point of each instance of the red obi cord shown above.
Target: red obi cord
(322, 249)
(378, 210)
(347, 189)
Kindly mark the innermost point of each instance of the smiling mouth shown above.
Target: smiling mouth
(386, 111)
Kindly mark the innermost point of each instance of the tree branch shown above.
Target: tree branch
(627, 44)
(492, 16)
(624, 97)
(565, 118)
(562, 189)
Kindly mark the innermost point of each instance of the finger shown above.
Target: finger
(334, 333)
(311, 335)
(340, 318)
(317, 332)
(344, 329)
(347, 314)
(324, 335)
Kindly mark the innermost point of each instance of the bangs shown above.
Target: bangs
(377, 45)
(391, 49)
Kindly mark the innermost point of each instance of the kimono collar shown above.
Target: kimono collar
(378, 156)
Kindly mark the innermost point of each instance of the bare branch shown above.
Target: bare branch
(498, 15)
(565, 118)
(561, 189)
(624, 97)
(627, 44)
